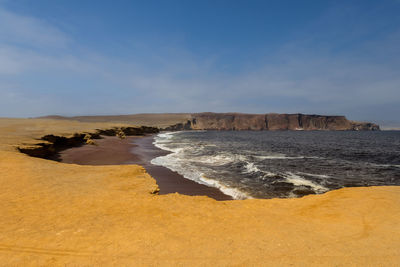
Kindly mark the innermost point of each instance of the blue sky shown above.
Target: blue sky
(121, 57)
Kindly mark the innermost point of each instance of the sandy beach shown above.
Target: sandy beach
(57, 214)
(111, 150)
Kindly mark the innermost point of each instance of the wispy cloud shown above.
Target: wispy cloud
(29, 31)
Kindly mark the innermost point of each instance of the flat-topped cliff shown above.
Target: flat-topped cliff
(231, 121)
(272, 121)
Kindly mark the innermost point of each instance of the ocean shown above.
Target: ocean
(282, 164)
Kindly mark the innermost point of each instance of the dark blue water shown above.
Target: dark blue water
(270, 164)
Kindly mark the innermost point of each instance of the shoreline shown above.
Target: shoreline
(138, 150)
(66, 214)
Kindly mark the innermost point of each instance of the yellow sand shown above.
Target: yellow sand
(58, 214)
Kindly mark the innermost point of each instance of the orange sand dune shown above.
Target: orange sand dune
(63, 214)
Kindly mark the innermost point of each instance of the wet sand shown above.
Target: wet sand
(140, 151)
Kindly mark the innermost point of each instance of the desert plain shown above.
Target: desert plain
(57, 214)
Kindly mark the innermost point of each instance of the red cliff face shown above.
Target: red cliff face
(228, 121)
(273, 121)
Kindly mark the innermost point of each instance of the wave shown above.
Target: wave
(162, 139)
(268, 174)
(166, 135)
(178, 162)
(282, 156)
(251, 168)
(276, 156)
(300, 181)
(314, 175)
(214, 160)
(189, 172)
(268, 164)
(183, 161)
(386, 165)
(233, 192)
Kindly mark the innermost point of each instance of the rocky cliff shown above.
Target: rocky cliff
(231, 121)
(271, 121)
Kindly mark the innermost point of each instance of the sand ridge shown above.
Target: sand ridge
(56, 214)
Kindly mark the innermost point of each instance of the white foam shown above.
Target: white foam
(299, 181)
(314, 175)
(233, 192)
(250, 167)
(278, 156)
(178, 162)
(282, 156)
(175, 163)
(167, 135)
(163, 139)
(268, 174)
(386, 165)
(214, 160)
(178, 165)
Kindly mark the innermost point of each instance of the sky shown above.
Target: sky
(71, 57)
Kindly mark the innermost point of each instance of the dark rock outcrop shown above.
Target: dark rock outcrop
(364, 126)
(54, 144)
(180, 126)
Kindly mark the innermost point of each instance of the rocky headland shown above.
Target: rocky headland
(271, 121)
(232, 121)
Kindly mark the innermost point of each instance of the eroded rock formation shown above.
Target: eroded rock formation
(53, 144)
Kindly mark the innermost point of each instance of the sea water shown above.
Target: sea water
(270, 164)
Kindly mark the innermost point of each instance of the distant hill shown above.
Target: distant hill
(160, 120)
